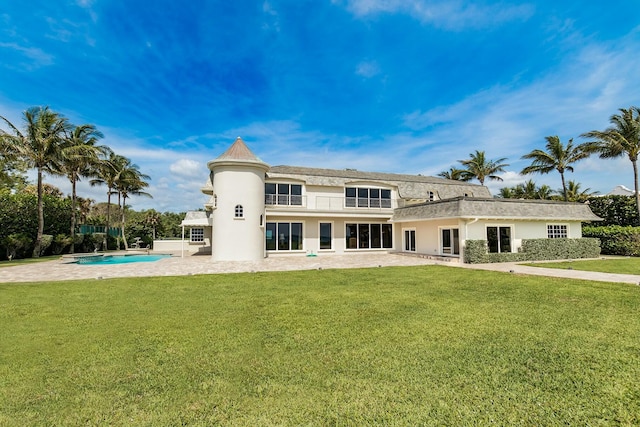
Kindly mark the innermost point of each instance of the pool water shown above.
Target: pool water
(118, 259)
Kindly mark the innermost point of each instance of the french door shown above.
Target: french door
(409, 240)
(450, 241)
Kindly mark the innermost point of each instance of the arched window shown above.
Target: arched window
(239, 211)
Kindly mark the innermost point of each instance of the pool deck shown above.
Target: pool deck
(63, 269)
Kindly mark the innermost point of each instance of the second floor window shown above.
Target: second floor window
(239, 211)
(283, 194)
(367, 197)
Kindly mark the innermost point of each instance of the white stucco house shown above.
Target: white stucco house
(256, 210)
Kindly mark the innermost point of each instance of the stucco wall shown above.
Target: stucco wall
(238, 239)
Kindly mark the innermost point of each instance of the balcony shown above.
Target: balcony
(327, 203)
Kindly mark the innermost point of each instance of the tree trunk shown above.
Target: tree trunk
(73, 214)
(564, 187)
(106, 236)
(124, 238)
(38, 243)
(635, 185)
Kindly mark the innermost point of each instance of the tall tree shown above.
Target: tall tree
(556, 157)
(130, 182)
(479, 167)
(80, 158)
(454, 174)
(619, 139)
(39, 146)
(109, 169)
(576, 194)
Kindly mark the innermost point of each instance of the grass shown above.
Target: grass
(620, 265)
(24, 261)
(385, 346)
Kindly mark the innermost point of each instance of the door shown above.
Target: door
(409, 240)
(450, 239)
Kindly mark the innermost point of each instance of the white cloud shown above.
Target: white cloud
(35, 57)
(187, 168)
(447, 14)
(368, 69)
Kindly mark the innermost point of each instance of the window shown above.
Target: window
(196, 235)
(239, 211)
(283, 236)
(556, 231)
(431, 196)
(326, 236)
(367, 197)
(499, 239)
(368, 236)
(283, 194)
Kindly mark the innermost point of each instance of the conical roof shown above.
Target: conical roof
(238, 153)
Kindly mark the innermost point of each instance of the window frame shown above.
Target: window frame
(238, 212)
(200, 235)
(364, 237)
(553, 229)
(499, 241)
(284, 194)
(362, 197)
(284, 228)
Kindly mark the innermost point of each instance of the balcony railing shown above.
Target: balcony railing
(327, 203)
(284, 200)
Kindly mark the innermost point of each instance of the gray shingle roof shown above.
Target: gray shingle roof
(470, 208)
(409, 186)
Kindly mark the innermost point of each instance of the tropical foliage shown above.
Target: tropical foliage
(622, 138)
(51, 145)
(527, 190)
(455, 174)
(477, 166)
(556, 157)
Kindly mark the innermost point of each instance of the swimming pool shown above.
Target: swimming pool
(117, 259)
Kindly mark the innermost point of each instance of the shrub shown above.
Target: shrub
(534, 250)
(47, 239)
(16, 245)
(60, 244)
(615, 210)
(615, 239)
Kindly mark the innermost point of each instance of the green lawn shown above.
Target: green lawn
(384, 346)
(621, 265)
(11, 263)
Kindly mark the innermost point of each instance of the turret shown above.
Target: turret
(238, 217)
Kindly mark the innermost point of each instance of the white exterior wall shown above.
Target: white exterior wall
(428, 236)
(311, 234)
(522, 230)
(238, 239)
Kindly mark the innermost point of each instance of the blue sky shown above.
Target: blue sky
(377, 85)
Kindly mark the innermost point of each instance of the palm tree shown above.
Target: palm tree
(454, 174)
(130, 182)
(152, 219)
(109, 170)
(40, 147)
(80, 157)
(621, 138)
(506, 193)
(545, 192)
(557, 157)
(575, 194)
(478, 167)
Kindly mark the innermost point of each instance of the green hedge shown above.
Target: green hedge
(616, 239)
(534, 250)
